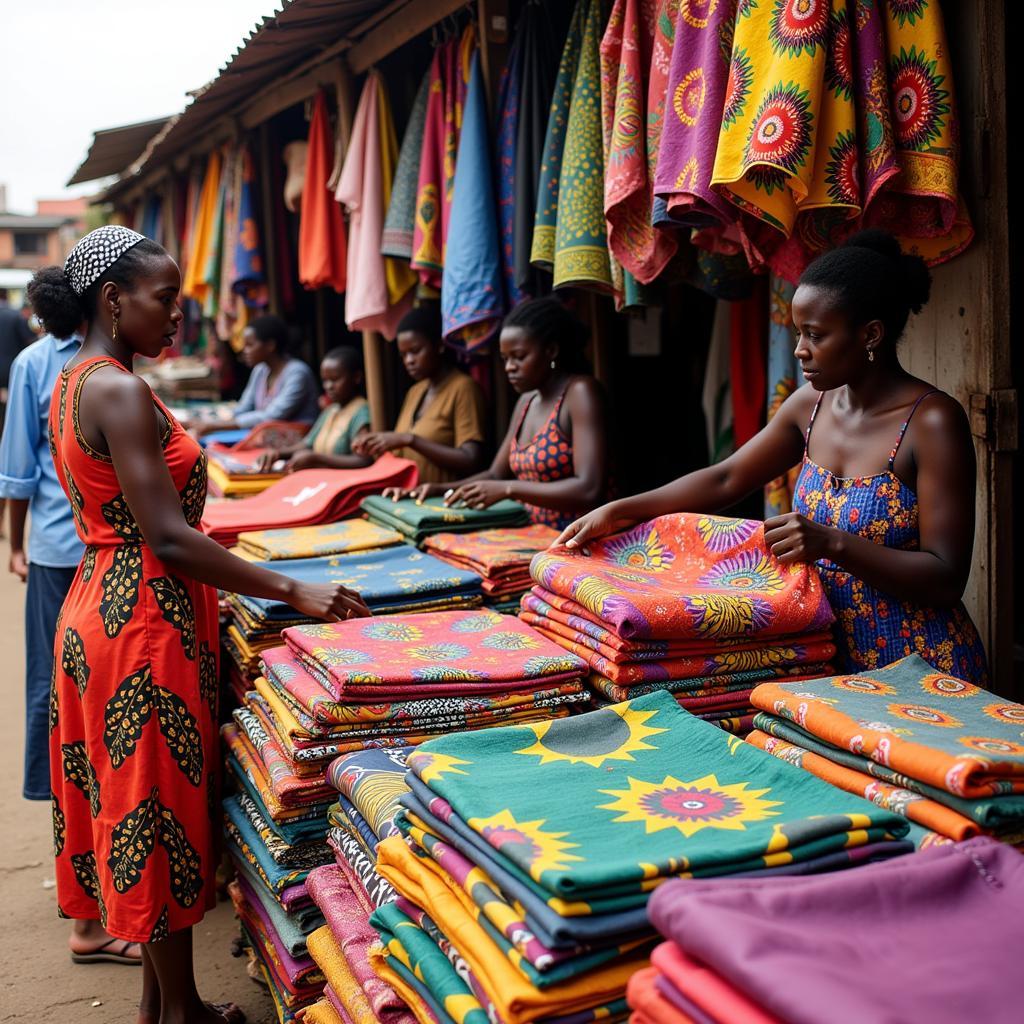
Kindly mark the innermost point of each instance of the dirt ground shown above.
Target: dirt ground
(38, 982)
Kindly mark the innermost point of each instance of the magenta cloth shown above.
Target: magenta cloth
(431, 654)
(694, 118)
(351, 928)
(294, 897)
(306, 498)
(297, 971)
(933, 936)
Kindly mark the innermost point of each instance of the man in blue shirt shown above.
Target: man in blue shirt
(29, 482)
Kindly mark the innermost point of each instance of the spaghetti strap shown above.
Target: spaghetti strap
(906, 423)
(814, 416)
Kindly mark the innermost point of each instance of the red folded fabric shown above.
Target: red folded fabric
(307, 498)
(648, 1004)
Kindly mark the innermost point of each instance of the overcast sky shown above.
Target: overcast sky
(69, 67)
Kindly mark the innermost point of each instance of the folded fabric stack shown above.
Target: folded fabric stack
(390, 580)
(306, 498)
(500, 557)
(315, 541)
(274, 831)
(234, 474)
(694, 605)
(528, 854)
(938, 750)
(865, 945)
(417, 520)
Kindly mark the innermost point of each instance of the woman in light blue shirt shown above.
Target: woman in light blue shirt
(280, 387)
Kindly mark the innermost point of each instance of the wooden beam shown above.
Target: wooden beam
(405, 24)
(266, 184)
(278, 97)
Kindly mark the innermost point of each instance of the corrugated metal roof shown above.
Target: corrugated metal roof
(114, 149)
(277, 44)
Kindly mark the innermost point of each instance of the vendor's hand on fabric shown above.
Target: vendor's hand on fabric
(18, 565)
(330, 601)
(418, 494)
(479, 494)
(306, 459)
(374, 445)
(794, 538)
(267, 460)
(594, 525)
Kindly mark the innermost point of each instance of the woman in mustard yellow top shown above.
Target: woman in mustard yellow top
(441, 425)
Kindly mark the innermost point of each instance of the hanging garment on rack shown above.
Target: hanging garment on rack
(228, 304)
(322, 244)
(784, 377)
(542, 248)
(472, 295)
(632, 54)
(361, 191)
(509, 101)
(581, 243)
(195, 285)
(250, 278)
(400, 278)
(400, 220)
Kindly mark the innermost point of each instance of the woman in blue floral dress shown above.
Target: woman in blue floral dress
(884, 502)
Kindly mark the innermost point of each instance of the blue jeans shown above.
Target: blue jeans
(46, 590)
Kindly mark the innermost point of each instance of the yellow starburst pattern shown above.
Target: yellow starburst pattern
(526, 843)
(940, 685)
(924, 715)
(429, 765)
(690, 806)
(620, 733)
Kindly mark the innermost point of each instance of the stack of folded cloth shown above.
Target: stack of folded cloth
(528, 854)
(403, 679)
(390, 580)
(315, 541)
(944, 753)
(275, 834)
(306, 498)
(934, 937)
(695, 605)
(500, 557)
(417, 520)
(234, 474)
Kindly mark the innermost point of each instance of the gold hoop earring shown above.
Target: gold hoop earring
(113, 326)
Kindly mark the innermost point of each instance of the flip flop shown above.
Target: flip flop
(103, 954)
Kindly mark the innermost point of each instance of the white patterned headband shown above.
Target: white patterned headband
(96, 253)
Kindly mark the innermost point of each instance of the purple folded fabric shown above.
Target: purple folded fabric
(682, 1002)
(933, 936)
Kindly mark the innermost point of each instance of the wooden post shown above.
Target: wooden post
(267, 208)
(600, 336)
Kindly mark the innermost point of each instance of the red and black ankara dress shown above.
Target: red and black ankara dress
(133, 739)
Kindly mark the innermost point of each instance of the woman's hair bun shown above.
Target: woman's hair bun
(55, 303)
(912, 277)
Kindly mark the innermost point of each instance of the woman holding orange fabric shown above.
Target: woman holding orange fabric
(885, 498)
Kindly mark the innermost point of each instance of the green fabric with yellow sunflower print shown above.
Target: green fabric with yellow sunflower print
(617, 800)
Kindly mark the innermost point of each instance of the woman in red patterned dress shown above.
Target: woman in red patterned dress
(133, 748)
(554, 458)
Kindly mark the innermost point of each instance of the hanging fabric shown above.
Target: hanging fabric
(228, 304)
(784, 377)
(472, 300)
(250, 278)
(152, 211)
(400, 221)
(204, 226)
(509, 111)
(633, 52)
(361, 191)
(449, 79)
(214, 253)
(322, 244)
(400, 278)
(581, 244)
(748, 352)
(542, 247)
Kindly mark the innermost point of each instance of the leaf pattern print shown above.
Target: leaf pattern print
(79, 772)
(121, 589)
(183, 738)
(54, 710)
(59, 826)
(161, 930)
(186, 876)
(84, 867)
(77, 501)
(121, 520)
(208, 677)
(126, 714)
(193, 494)
(72, 659)
(88, 564)
(175, 603)
(132, 843)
